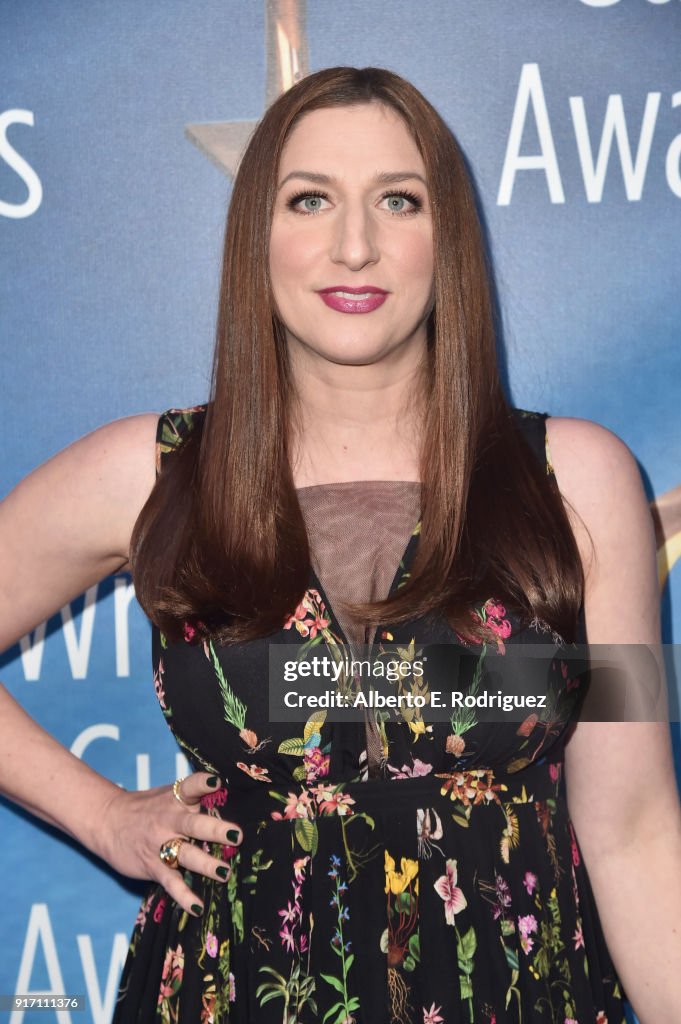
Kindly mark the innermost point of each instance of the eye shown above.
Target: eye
(402, 203)
(307, 202)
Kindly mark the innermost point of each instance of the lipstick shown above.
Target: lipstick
(346, 299)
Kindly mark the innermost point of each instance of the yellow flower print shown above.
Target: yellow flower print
(397, 881)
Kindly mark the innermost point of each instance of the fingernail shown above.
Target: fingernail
(196, 909)
(232, 835)
(212, 780)
(222, 872)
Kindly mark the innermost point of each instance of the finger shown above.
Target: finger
(174, 884)
(194, 858)
(195, 786)
(207, 829)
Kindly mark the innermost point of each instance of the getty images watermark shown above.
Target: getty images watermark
(452, 683)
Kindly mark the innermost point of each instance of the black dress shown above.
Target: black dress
(404, 871)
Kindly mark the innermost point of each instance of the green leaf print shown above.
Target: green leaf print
(293, 746)
(235, 710)
(335, 983)
(306, 834)
(343, 1008)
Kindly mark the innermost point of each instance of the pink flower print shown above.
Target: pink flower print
(570, 684)
(446, 887)
(211, 944)
(255, 771)
(575, 849)
(527, 926)
(527, 725)
(158, 912)
(530, 882)
(503, 894)
(554, 771)
(578, 937)
(501, 627)
(141, 919)
(228, 851)
(432, 1016)
(299, 868)
(418, 769)
(316, 763)
(217, 799)
(158, 686)
(303, 942)
(601, 1018)
(287, 939)
(298, 805)
(309, 618)
(190, 632)
(232, 989)
(289, 914)
(571, 1020)
(330, 801)
(171, 976)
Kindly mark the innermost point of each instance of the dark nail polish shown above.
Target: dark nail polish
(196, 909)
(212, 780)
(222, 872)
(232, 835)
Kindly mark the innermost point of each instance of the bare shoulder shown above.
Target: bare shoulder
(69, 522)
(598, 475)
(599, 478)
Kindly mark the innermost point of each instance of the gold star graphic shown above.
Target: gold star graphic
(287, 61)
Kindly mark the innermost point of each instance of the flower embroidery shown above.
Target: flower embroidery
(472, 787)
(397, 881)
(578, 937)
(298, 805)
(331, 801)
(530, 882)
(427, 830)
(316, 764)
(527, 926)
(309, 618)
(217, 799)
(255, 771)
(418, 769)
(432, 1016)
(171, 976)
(446, 887)
(491, 615)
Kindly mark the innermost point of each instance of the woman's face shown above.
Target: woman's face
(351, 247)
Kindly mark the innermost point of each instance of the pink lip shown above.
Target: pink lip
(371, 298)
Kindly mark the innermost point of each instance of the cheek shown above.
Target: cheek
(277, 258)
(416, 257)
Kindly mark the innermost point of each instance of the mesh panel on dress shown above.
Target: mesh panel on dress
(358, 532)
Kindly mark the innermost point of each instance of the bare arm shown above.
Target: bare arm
(64, 527)
(68, 524)
(622, 789)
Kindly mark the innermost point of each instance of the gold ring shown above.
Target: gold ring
(169, 851)
(176, 792)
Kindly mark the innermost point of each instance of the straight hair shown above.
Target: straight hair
(221, 541)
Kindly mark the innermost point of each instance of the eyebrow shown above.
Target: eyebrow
(384, 178)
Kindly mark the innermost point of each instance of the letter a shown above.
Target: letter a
(530, 89)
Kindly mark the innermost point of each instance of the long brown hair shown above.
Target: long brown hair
(222, 539)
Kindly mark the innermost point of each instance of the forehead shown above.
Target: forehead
(372, 136)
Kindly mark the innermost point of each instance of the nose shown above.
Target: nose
(354, 243)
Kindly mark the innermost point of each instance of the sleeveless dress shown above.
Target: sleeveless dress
(392, 872)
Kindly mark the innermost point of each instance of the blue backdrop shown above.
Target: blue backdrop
(119, 127)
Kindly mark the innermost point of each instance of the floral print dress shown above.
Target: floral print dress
(449, 890)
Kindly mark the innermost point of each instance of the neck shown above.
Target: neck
(356, 422)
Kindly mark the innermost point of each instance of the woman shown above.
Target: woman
(405, 870)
